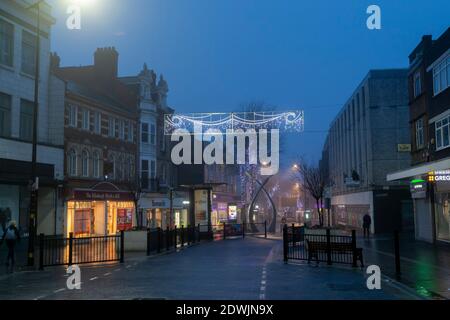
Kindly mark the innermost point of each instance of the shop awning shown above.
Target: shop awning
(419, 170)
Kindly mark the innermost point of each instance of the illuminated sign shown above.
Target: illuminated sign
(418, 189)
(436, 176)
(232, 212)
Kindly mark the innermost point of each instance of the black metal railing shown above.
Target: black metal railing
(301, 245)
(159, 240)
(57, 251)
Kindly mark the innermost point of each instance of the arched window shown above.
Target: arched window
(96, 164)
(85, 163)
(72, 163)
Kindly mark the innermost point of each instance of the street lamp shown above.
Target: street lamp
(34, 179)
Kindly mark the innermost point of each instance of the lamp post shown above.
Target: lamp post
(34, 179)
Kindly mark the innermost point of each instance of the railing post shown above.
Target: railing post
(175, 238)
(293, 236)
(122, 246)
(397, 254)
(285, 244)
(224, 231)
(197, 233)
(355, 262)
(243, 231)
(328, 247)
(148, 241)
(265, 229)
(182, 236)
(159, 240)
(189, 234)
(41, 252)
(167, 238)
(70, 248)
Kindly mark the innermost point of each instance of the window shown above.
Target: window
(441, 80)
(144, 174)
(131, 132)
(122, 129)
(28, 53)
(26, 120)
(153, 169)
(132, 168)
(96, 164)
(85, 119)
(419, 134)
(153, 134)
(126, 169)
(442, 133)
(145, 133)
(72, 163)
(97, 123)
(417, 85)
(85, 163)
(5, 115)
(111, 128)
(6, 43)
(115, 126)
(73, 116)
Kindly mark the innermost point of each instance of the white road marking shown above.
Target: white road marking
(128, 266)
(117, 270)
(94, 278)
(107, 274)
(59, 290)
(40, 297)
(263, 282)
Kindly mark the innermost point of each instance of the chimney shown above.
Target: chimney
(55, 61)
(106, 62)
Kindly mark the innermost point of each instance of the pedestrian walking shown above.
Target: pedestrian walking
(367, 222)
(12, 237)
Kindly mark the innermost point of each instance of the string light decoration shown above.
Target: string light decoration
(292, 121)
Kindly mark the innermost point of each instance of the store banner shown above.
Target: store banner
(124, 219)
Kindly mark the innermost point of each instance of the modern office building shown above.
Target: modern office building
(368, 139)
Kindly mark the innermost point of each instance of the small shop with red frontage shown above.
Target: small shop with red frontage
(101, 210)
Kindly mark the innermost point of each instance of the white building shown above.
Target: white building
(17, 68)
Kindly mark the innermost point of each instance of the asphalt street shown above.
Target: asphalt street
(247, 269)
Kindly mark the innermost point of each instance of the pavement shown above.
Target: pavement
(424, 267)
(239, 269)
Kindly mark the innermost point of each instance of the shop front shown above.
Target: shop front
(102, 210)
(155, 210)
(225, 209)
(430, 190)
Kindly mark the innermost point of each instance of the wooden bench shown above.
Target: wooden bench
(314, 247)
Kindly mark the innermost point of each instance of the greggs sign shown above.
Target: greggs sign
(437, 176)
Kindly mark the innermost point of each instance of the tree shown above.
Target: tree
(314, 180)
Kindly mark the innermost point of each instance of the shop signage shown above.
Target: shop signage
(404, 148)
(124, 219)
(436, 176)
(418, 189)
(232, 212)
(89, 195)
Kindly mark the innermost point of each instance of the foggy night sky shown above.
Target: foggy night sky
(219, 54)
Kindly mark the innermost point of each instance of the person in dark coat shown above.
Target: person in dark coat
(12, 237)
(367, 222)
